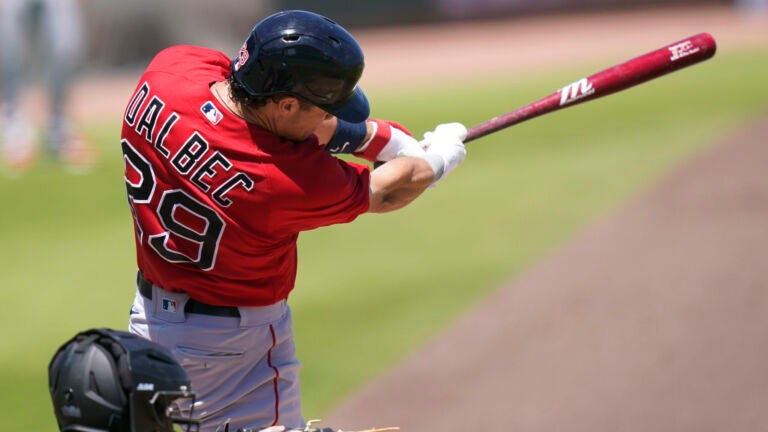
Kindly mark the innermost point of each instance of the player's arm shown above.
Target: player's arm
(374, 139)
(407, 174)
(398, 182)
(409, 168)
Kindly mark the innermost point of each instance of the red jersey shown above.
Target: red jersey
(218, 202)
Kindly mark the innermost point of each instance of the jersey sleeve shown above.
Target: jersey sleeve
(337, 192)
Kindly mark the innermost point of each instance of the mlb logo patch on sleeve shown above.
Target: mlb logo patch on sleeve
(211, 113)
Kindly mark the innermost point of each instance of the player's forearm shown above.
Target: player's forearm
(398, 182)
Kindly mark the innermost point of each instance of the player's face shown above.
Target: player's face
(300, 123)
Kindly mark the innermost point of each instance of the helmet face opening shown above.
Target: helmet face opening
(112, 381)
(160, 411)
(305, 55)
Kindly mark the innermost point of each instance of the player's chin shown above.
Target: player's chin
(297, 138)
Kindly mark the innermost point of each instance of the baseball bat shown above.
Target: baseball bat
(622, 76)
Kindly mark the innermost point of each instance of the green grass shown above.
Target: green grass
(370, 292)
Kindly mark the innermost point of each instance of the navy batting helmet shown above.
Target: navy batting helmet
(105, 380)
(304, 54)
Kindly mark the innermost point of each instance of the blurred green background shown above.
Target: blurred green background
(67, 248)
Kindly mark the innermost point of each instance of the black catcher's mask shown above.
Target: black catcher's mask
(105, 380)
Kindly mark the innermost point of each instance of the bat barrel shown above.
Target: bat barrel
(632, 72)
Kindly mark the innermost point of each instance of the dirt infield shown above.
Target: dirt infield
(650, 320)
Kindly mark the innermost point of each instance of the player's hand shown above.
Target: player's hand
(455, 129)
(445, 148)
(388, 141)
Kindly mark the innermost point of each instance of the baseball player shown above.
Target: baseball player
(226, 162)
(59, 24)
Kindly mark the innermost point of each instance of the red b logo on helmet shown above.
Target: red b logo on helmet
(242, 57)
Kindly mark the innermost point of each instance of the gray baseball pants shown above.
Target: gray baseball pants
(243, 369)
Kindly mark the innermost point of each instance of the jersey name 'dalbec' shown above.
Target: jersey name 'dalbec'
(218, 202)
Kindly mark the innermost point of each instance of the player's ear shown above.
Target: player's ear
(288, 105)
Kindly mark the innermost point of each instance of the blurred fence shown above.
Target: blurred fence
(128, 33)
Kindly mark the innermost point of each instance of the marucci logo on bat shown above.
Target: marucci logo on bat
(577, 90)
(683, 49)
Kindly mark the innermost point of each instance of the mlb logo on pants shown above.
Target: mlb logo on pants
(169, 305)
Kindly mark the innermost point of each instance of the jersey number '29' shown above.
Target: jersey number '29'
(173, 201)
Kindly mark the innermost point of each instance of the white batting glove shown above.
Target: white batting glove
(400, 144)
(445, 148)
